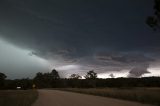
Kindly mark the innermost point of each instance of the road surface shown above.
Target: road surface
(62, 98)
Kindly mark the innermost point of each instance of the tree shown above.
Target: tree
(2, 80)
(54, 74)
(154, 20)
(75, 76)
(91, 75)
(44, 80)
(2, 76)
(39, 80)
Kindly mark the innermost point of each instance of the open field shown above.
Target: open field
(143, 95)
(17, 97)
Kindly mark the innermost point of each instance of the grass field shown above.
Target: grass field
(143, 95)
(17, 97)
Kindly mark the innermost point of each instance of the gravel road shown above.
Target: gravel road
(62, 98)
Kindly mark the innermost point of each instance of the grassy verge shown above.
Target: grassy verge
(18, 97)
(143, 95)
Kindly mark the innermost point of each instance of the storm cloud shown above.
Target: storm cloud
(138, 71)
(78, 36)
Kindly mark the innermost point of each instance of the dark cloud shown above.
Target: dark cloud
(105, 35)
(139, 71)
(56, 24)
(123, 57)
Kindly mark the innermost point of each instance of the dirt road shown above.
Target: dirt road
(62, 98)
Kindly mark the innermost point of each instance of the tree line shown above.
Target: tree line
(53, 80)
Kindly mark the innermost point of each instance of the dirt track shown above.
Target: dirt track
(61, 98)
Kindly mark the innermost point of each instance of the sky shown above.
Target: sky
(75, 36)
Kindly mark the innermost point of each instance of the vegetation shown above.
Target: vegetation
(23, 83)
(101, 83)
(47, 80)
(75, 76)
(2, 80)
(17, 97)
(52, 80)
(144, 95)
(91, 75)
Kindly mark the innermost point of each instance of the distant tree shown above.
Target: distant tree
(2, 80)
(2, 76)
(46, 80)
(39, 74)
(154, 20)
(91, 75)
(39, 80)
(75, 76)
(54, 74)
(24, 83)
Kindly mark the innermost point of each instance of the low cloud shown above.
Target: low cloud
(111, 75)
(139, 71)
(123, 57)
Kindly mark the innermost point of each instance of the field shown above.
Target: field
(17, 97)
(143, 95)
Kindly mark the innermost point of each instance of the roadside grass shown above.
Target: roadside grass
(17, 97)
(143, 95)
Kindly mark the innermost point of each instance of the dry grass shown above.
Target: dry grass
(144, 95)
(18, 97)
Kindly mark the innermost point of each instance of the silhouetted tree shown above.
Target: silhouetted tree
(2, 80)
(54, 74)
(75, 76)
(47, 80)
(2, 76)
(91, 75)
(154, 20)
(39, 80)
